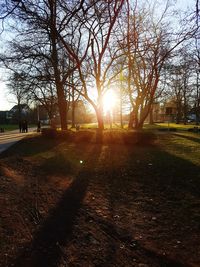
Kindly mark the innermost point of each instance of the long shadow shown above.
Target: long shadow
(167, 177)
(45, 250)
(163, 172)
(46, 247)
(36, 145)
(135, 247)
(191, 138)
(163, 177)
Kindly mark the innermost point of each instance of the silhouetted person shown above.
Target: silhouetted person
(39, 126)
(20, 126)
(24, 126)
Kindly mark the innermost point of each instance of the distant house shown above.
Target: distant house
(194, 114)
(168, 111)
(163, 112)
(17, 112)
(23, 107)
(3, 117)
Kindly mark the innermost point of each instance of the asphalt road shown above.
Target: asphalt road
(9, 138)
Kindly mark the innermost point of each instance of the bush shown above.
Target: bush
(194, 129)
(172, 129)
(102, 137)
(139, 138)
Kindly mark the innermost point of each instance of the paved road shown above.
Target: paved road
(9, 138)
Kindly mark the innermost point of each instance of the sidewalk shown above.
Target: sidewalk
(9, 138)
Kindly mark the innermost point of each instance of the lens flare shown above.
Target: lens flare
(109, 101)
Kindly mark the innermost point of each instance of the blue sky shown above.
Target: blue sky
(7, 101)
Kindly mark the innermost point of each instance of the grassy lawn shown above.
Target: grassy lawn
(9, 127)
(166, 125)
(179, 127)
(112, 204)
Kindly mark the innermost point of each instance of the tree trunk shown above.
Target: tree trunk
(73, 109)
(99, 109)
(151, 122)
(100, 121)
(131, 120)
(178, 114)
(19, 112)
(140, 125)
(144, 114)
(73, 115)
(62, 104)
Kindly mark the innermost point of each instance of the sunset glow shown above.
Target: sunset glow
(109, 101)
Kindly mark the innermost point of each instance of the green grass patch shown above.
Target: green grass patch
(185, 145)
(9, 127)
(179, 127)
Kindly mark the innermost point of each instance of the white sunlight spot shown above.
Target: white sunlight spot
(109, 101)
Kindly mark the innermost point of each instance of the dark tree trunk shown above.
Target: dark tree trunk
(131, 120)
(100, 121)
(151, 121)
(73, 109)
(99, 109)
(73, 115)
(62, 103)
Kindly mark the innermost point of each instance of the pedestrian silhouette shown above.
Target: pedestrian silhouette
(24, 126)
(39, 126)
(20, 126)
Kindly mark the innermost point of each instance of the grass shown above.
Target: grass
(9, 127)
(179, 127)
(116, 126)
(137, 202)
(184, 145)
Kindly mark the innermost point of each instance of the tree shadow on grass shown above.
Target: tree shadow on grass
(191, 138)
(30, 146)
(45, 250)
(162, 184)
(130, 249)
(46, 247)
(162, 176)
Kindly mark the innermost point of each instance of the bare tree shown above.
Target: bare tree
(15, 85)
(94, 69)
(40, 26)
(149, 43)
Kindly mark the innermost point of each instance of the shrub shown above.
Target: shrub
(194, 129)
(139, 138)
(172, 129)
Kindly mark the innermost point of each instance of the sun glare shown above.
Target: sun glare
(109, 101)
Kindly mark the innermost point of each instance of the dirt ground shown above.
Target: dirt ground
(114, 205)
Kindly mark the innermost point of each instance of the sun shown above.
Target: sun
(109, 101)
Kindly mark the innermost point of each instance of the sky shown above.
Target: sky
(7, 101)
